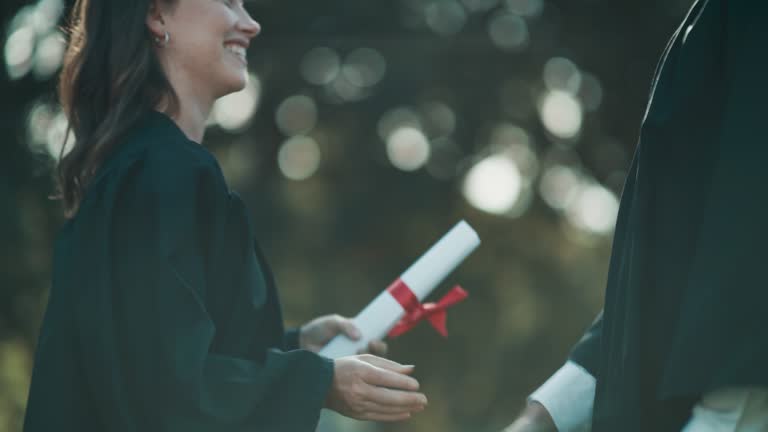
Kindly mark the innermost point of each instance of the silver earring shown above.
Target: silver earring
(162, 42)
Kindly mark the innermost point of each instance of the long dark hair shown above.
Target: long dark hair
(110, 76)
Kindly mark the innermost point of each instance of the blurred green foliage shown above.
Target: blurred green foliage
(340, 236)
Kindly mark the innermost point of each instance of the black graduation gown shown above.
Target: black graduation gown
(686, 300)
(162, 314)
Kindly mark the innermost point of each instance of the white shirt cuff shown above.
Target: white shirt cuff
(568, 396)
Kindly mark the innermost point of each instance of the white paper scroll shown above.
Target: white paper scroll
(375, 321)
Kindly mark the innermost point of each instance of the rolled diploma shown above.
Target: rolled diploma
(375, 321)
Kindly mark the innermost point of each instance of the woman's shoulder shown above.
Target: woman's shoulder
(157, 158)
(162, 140)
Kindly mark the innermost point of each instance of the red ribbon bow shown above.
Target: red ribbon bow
(414, 311)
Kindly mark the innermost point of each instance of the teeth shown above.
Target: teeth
(236, 49)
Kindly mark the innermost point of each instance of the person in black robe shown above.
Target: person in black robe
(686, 302)
(163, 314)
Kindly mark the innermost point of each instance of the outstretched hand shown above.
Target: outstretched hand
(314, 335)
(366, 387)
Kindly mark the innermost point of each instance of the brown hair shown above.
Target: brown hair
(110, 76)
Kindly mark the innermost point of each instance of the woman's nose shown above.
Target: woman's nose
(249, 26)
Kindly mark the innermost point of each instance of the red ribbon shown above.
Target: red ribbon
(415, 311)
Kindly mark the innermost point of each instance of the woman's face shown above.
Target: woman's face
(207, 44)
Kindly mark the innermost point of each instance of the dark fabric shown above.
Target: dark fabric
(291, 339)
(685, 302)
(586, 352)
(163, 315)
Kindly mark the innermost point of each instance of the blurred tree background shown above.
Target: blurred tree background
(368, 129)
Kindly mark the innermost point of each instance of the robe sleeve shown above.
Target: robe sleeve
(291, 339)
(166, 214)
(734, 228)
(568, 396)
(722, 323)
(586, 353)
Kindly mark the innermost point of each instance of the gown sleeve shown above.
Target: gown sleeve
(723, 318)
(291, 339)
(148, 343)
(586, 353)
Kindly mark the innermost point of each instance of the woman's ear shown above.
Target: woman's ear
(155, 21)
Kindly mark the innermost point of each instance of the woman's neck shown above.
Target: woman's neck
(193, 109)
(191, 119)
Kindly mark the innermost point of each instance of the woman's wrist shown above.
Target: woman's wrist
(536, 411)
(534, 418)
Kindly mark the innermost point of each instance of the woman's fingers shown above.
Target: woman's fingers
(345, 326)
(386, 364)
(390, 374)
(378, 348)
(382, 404)
(388, 417)
(373, 408)
(395, 400)
(386, 378)
(363, 390)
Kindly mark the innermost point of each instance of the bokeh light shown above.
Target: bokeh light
(559, 186)
(299, 158)
(594, 210)
(590, 92)
(562, 74)
(407, 148)
(235, 111)
(341, 90)
(57, 136)
(33, 42)
(296, 115)
(439, 118)
(238, 161)
(479, 5)
(39, 122)
(516, 143)
(508, 31)
(45, 14)
(352, 80)
(320, 66)
(364, 67)
(445, 17)
(19, 48)
(397, 118)
(494, 184)
(507, 134)
(561, 113)
(528, 8)
(444, 158)
(49, 55)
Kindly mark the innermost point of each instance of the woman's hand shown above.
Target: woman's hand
(366, 387)
(314, 335)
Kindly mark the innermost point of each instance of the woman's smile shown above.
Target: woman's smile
(238, 49)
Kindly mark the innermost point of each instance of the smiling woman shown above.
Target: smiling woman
(206, 55)
(198, 57)
(163, 315)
